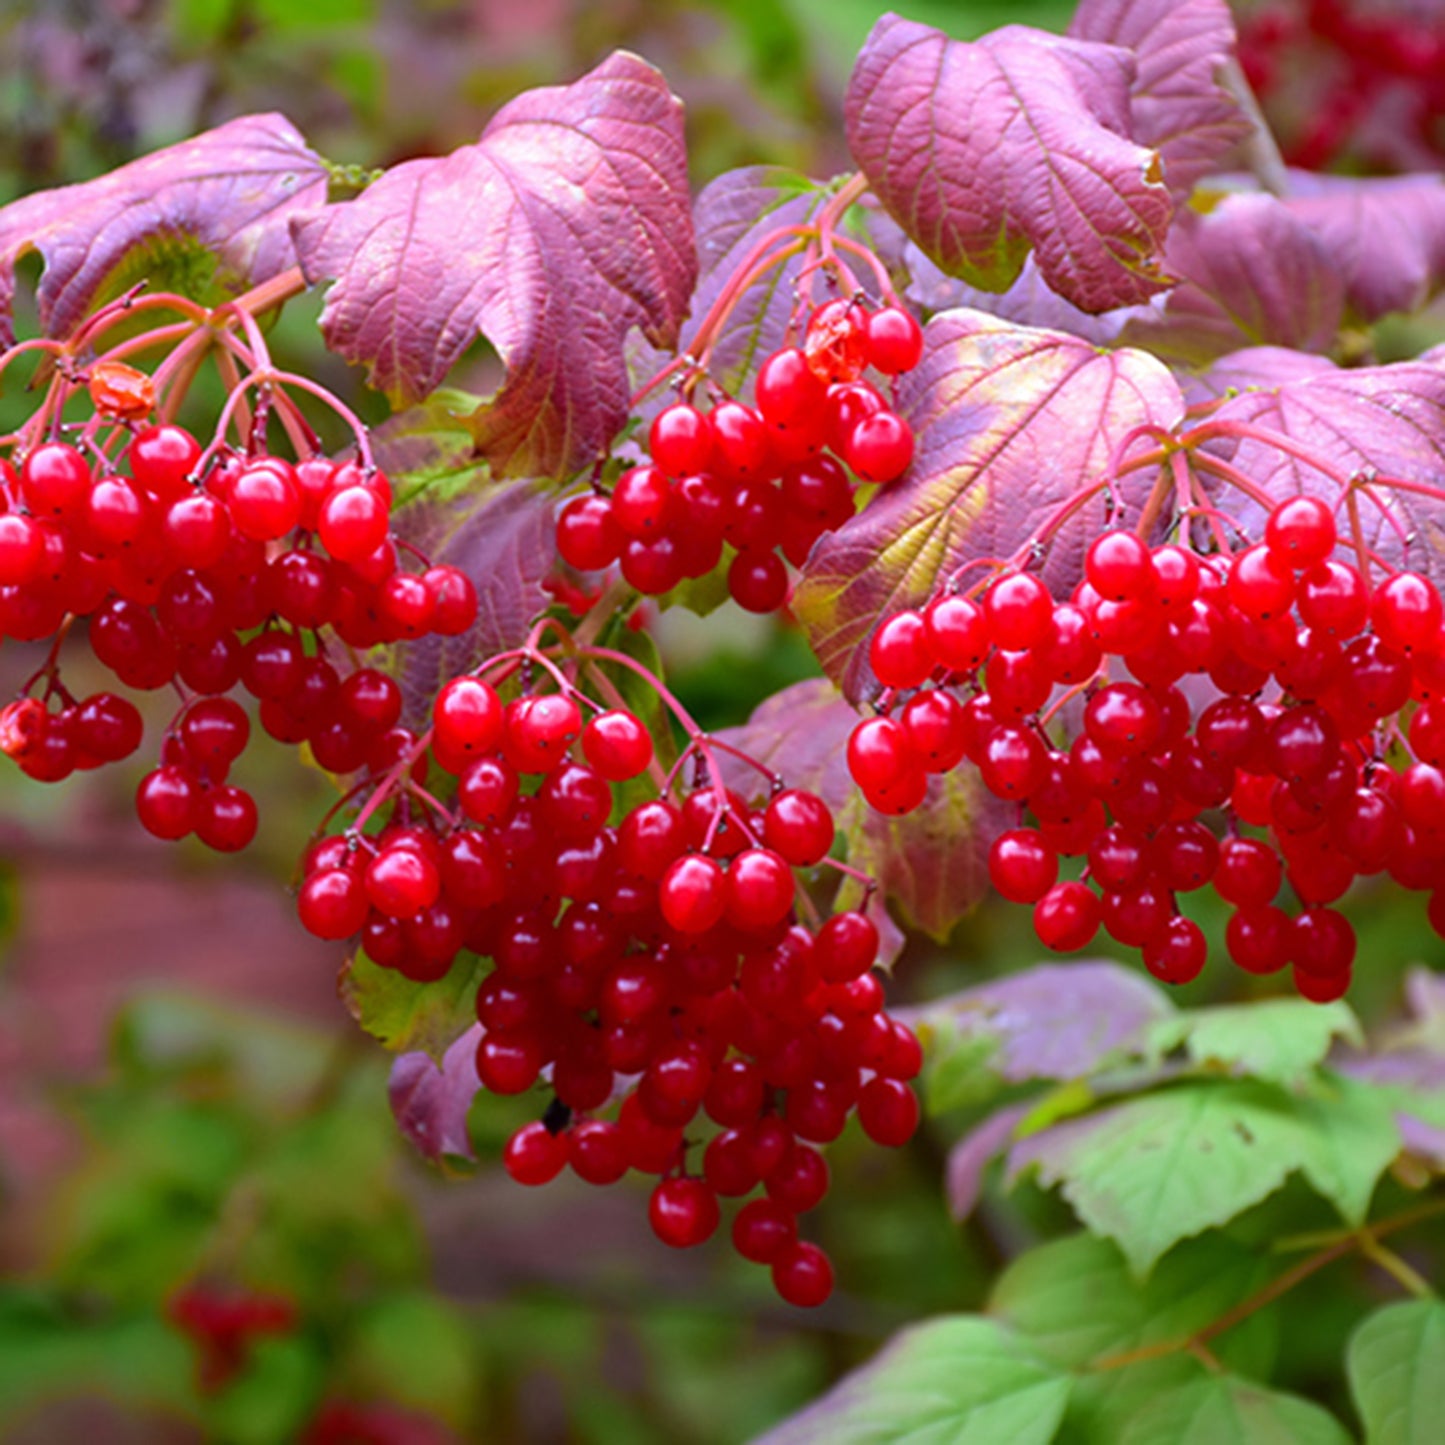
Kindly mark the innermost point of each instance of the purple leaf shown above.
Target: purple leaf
(1253, 368)
(1056, 1021)
(932, 863)
(1178, 104)
(1253, 272)
(1020, 141)
(1010, 422)
(1384, 234)
(1423, 1139)
(1390, 418)
(971, 1156)
(1028, 302)
(564, 227)
(733, 213)
(217, 204)
(430, 1103)
(502, 536)
(1425, 993)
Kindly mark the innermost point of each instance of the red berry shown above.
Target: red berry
(803, 1276)
(617, 744)
(894, 341)
(683, 1212)
(534, 1155)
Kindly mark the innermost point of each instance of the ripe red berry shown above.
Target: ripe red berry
(803, 1275)
(617, 744)
(894, 341)
(683, 1212)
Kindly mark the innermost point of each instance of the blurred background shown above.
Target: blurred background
(181, 1094)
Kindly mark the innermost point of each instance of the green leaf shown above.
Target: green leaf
(1079, 1305)
(1396, 1366)
(964, 1380)
(272, 1396)
(1226, 1408)
(1170, 1164)
(1279, 1040)
(961, 1067)
(404, 1015)
(46, 1353)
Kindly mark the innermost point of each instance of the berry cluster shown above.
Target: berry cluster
(650, 961)
(1362, 63)
(205, 572)
(766, 480)
(1275, 687)
(224, 1325)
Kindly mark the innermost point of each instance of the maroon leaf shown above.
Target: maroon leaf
(1055, 1021)
(1019, 141)
(1389, 418)
(1010, 422)
(1253, 272)
(430, 1102)
(501, 535)
(1252, 369)
(1179, 106)
(214, 208)
(1385, 235)
(971, 1156)
(932, 863)
(564, 227)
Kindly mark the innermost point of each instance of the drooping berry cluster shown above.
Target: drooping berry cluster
(1274, 689)
(206, 574)
(765, 480)
(647, 970)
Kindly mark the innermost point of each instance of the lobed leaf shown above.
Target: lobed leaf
(1389, 419)
(1395, 1362)
(1178, 103)
(964, 1379)
(574, 224)
(971, 1156)
(405, 1016)
(430, 1101)
(1252, 273)
(212, 212)
(931, 863)
(1020, 141)
(1010, 422)
(1168, 1165)
(1280, 1040)
(1227, 1407)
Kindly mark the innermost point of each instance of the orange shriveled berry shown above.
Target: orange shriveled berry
(120, 391)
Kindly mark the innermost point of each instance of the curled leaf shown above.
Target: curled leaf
(210, 213)
(1020, 141)
(1179, 103)
(565, 226)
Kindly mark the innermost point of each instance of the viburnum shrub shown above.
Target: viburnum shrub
(1054, 427)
